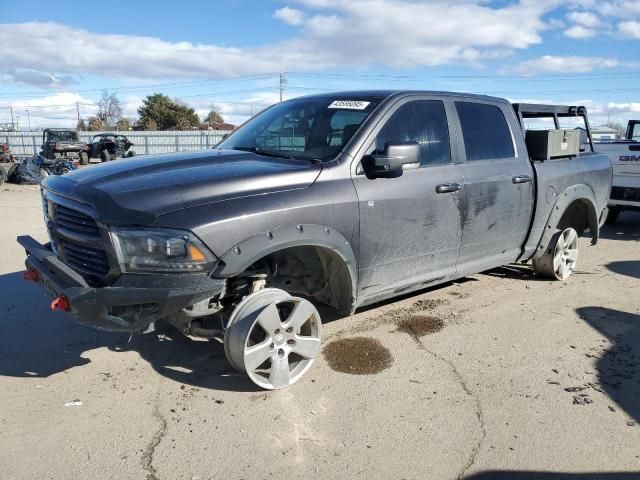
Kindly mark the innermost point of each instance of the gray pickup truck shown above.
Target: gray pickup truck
(328, 203)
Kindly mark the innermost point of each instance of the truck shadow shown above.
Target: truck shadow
(618, 365)
(630, 268)
(516, 475)
(38, 343)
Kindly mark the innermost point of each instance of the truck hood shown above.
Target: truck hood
(136, 191)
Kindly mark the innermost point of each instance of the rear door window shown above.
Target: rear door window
(423, 122)
(485, 131)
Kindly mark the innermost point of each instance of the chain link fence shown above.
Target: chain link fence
(146, 143)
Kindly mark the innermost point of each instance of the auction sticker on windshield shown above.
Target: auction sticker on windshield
(350, 104)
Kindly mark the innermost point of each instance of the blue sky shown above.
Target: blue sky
(228, 52)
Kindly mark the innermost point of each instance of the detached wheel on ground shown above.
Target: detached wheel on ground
(105, 156)
(612, 216)
(273, 337)
(84, 158)
(559, 260)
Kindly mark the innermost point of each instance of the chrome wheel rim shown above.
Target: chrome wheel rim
(273, 337)
(565, 254)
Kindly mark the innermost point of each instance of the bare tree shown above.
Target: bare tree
(618, 127)
(214, 116)
(109, 108)
(95, 124)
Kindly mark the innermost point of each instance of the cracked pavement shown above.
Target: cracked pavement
(487, 389)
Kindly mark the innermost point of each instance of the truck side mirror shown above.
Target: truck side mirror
(395, 158)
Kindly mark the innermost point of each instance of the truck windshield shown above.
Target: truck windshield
(313, 128)
(63, 136)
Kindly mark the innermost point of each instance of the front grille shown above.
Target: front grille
(75, 237)
(628, 194)
(75, 221)
(87, 260)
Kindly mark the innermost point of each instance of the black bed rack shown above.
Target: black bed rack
(534, 110)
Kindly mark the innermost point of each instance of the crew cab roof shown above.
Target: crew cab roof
(383, 94)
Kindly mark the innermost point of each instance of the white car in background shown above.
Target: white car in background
(625, 159)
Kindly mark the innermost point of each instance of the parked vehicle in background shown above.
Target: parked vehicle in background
(63, 143)
(5, 154)
(109, 146)
(339, 200)
(625, 158)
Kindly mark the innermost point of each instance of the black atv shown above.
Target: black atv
(62, 143)
(109, 146)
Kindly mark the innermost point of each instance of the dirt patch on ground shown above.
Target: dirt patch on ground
(420, 325)
(395, 316)
(357, 356)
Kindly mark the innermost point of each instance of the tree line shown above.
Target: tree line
(157, 112)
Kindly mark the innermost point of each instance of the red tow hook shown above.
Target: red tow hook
(31, 275)
(61, 303)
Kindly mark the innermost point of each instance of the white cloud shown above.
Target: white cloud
(331, 34)
(57, 110)
(580, 32)
(290, 15)
(564, 64)
(630, 29)
(586, 19)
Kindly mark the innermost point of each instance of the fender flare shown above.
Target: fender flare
(239, 257)
(566, 198)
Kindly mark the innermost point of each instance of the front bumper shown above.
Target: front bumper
(130, 304)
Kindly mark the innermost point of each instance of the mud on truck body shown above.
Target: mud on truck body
(327, 203)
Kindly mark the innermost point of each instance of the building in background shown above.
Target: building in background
(604, 134)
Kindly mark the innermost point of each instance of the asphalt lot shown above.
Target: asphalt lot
(500, 375)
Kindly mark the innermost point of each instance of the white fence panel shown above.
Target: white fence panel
(146, 142)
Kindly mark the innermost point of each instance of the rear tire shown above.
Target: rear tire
(104, 156)
(84, 158)
(131, 153)
(560, 257)
(612, 216)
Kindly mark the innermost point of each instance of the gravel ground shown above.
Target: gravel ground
(499, 375)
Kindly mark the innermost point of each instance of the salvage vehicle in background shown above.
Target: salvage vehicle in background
(63, 143)
(328, 202)
(625, 158)
(109, 146)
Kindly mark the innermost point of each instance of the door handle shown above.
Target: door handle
(521, 179)
(447, 187)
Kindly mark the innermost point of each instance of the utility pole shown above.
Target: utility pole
(283, 83)
(78, 112)
(13, 125)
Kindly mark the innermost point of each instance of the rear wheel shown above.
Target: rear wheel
(273, 337)
(104, 156)
(131, 153)
(612, 216)
(84, 158)
(559, 260)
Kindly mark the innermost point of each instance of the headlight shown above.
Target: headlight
(160, 250)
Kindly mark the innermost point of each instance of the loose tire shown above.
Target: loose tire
(612, 216)
(104, 156)
(84, 158)
(273, 337)
(559, 260)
